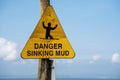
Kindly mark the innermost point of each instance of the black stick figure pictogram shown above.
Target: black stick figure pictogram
(48, 30)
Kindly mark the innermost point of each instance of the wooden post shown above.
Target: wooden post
(44, 71)
(43, 5)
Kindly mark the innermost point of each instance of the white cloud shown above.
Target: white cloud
(8, 50)
(20, 62)
(69, 61)
(65, 61)
(95, 58)
(116, 58)
(26, 61)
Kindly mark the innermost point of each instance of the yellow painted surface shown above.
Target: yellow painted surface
(48, 40)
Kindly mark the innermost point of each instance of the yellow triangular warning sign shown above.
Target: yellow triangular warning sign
(48, 40)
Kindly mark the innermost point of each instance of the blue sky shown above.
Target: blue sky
(91, 26)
